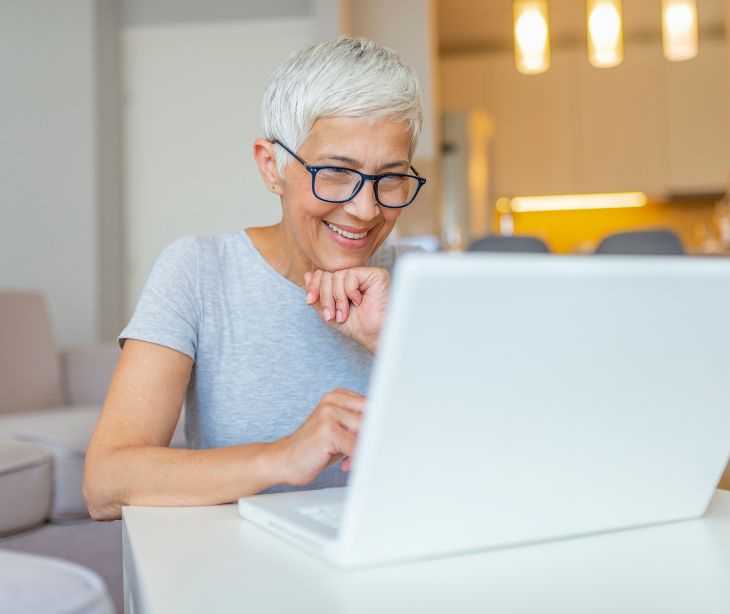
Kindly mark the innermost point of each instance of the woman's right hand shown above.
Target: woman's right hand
(351, 301)
(327, 435)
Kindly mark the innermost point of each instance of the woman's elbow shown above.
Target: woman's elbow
(100, 504)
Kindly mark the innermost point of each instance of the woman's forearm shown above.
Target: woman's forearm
(156, 476)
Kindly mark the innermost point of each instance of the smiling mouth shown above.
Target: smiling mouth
(344, 233)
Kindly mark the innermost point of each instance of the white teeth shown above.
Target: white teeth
(344, 233)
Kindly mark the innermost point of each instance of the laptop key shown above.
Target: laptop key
(328, 514)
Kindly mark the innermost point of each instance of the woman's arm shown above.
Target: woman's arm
(128, 461)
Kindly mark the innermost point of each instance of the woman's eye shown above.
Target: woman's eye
(392, 181)
(340, 174)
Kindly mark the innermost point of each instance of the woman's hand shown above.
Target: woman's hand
(352, 301)
(327, 435)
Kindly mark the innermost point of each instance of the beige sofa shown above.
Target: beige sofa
(49, 403)
(34, 583)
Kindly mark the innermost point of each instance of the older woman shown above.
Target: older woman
(269, 332)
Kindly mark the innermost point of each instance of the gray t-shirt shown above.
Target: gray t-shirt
(262, 357)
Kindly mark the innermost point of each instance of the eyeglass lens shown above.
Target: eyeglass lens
(340, 184)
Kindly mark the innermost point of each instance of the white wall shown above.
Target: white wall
(47, 159)
(409, 27)
(192, 99)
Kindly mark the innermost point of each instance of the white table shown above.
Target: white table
(207, 559)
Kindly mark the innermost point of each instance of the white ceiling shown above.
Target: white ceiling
(485, 24)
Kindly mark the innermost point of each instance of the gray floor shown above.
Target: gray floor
(96, 545)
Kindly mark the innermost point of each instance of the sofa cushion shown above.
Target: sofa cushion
(30, 372)
(70, 426)
(25, 484)
(65, 432)
(32, 583)
(96, 545)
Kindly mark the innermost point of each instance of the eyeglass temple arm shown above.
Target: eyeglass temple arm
(278, 142)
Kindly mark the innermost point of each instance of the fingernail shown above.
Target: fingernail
(327, 315)
(309, 297)
(340, 317)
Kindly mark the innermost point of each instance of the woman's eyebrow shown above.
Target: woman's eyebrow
(356, 164)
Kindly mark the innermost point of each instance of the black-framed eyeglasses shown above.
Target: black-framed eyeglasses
(338, 184)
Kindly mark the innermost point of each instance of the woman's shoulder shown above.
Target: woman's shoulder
(207, 240)
(204, 247)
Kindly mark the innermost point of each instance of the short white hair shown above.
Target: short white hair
(345, 77)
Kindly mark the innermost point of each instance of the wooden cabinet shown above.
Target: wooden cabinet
(621, 124)
(535, 128)
(697, 121)
(649, 124)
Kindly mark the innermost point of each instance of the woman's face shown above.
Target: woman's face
(307, 222)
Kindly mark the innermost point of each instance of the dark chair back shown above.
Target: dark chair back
(513, 244)
(642, 242)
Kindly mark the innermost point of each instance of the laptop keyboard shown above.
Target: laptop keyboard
(328, 514)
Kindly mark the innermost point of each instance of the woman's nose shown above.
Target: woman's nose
(364, 206)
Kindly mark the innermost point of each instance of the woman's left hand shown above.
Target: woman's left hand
(352, 301)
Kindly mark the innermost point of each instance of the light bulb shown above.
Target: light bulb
(679, 29)
(605, 33)
(532, 36)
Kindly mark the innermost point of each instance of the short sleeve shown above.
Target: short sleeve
(168, 309)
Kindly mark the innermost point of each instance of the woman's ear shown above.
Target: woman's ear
(263, 153)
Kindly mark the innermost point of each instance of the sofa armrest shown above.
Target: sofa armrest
(86, 372)
(25, 486)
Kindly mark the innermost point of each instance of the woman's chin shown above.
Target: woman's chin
(339, 262)
(338, 259)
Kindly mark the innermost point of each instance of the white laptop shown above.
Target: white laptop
(522, 398)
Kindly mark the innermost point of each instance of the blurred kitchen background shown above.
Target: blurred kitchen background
(125, 124)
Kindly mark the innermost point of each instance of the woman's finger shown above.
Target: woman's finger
(313, 287)
(342, 302)
(307, 279)
(352, 287)
(345, 442)
(346, 398)
(346, 418)
(325, 296)
(370, 277)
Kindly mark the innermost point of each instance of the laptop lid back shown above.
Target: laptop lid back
(524, 398)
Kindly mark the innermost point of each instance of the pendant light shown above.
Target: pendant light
(605, 33)
(679, 29)
(532, 36)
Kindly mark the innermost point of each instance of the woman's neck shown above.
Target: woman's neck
(270, 243)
